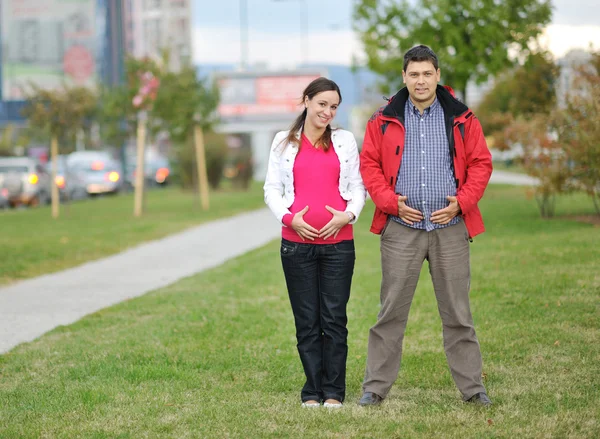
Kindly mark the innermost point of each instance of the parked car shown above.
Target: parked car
(25, 180)
(156, 171)
(4, 198)
(100, 173)
(71, 184)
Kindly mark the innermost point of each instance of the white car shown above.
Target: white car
(26, 181)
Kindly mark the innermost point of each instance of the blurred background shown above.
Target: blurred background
(87, 72)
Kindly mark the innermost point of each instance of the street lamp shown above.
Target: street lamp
(303, 28)
(244, 33)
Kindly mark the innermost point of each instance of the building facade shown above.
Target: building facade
(152, 26)
(49, 43)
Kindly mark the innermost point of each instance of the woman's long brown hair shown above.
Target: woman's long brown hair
(317, 86)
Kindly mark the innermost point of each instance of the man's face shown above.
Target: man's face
(421, 79)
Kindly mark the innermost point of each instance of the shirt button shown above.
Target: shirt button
(423, 168)
(423, 184)
(422, 135)
(423, 202)
(422, 120)
(423, 152)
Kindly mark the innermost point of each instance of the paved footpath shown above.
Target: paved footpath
(33, 307)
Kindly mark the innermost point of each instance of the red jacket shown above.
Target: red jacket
(382, 154)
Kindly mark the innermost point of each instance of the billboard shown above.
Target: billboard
(249, 97)
(47, 42)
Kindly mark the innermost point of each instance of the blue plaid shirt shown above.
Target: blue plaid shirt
(426, 176)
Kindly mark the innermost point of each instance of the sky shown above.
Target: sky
(276, 39)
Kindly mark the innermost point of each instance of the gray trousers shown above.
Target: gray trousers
(403, 251)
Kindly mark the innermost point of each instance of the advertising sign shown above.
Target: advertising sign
(47, 42)
(254, 97)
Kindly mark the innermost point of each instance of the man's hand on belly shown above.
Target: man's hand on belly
(408, 214)
(445, 215)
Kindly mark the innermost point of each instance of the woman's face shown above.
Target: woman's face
(321, 109)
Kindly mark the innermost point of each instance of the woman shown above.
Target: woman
(314, 188)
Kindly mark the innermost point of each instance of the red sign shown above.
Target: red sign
(263, 95)
(79, 63)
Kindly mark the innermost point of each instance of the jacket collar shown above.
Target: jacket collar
(452, 106)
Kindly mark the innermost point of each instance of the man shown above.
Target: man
(426, 165)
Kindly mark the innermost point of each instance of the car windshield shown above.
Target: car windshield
(12, 168)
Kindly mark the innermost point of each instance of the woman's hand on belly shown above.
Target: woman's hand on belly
(303, 229)
(332, 228)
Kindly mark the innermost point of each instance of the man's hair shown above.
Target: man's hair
(418, 54)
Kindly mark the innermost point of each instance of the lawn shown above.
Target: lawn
(214, 355)
(32, 243)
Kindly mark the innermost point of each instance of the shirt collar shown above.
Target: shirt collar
(435, 104)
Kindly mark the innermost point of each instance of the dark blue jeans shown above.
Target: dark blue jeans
(318, 278)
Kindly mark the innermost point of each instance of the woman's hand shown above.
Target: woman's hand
(302, 228)
(332, 228)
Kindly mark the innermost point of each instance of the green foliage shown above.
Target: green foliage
(11, 137)
(578, 128)
(240, 167)
(543, 158)
(185, 160)
(471, 38)
(524, 91)
(61, 112)
(117, 114)
(184, 100)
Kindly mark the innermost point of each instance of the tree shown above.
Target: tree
(472, 38)
(543, 158)
(61, 112)
(578, 128)
(117, 113)
(523, 91)
(186, 106)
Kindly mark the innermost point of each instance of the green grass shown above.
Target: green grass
(32, 243)
(214, 355)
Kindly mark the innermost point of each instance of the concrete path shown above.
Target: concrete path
(33, 307)
(504, 177)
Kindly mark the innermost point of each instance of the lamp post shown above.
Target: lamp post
(244, 33)
(303, 28)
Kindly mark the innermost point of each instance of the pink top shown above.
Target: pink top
(316, 184)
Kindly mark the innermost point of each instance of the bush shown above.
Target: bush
(185, 162)
(241, 167)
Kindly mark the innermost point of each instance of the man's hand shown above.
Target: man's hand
(302, 228)
(445, 215)
(408, 214)
(339, 220)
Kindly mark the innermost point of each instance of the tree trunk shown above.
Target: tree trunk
(463, 91)
(201, 166)
(138, 207)
(55, 196)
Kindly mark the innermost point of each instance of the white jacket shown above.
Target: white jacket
(279, 183)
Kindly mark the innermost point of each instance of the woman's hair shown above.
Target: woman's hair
(317, 86)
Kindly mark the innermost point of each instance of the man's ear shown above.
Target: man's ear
(403, 76)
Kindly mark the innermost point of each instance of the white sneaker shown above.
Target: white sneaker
(333, 405)
(312, 405)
